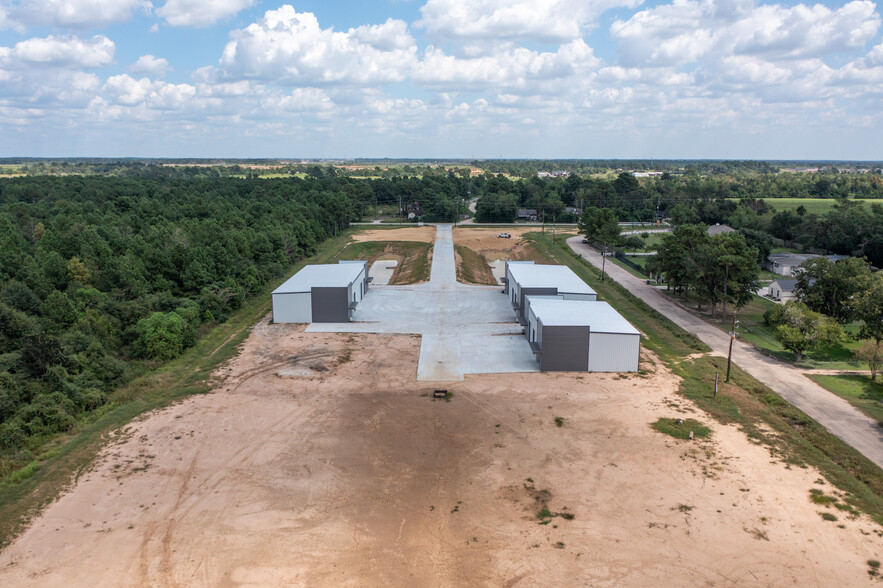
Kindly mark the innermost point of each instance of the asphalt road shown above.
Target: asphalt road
(832, 412)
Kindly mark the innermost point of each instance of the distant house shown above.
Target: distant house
(413, 210)
(718, 229)
(573, 210)
(783, 289)
(784, 264)
(527, 214)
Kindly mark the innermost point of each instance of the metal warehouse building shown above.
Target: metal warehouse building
(321, 293)
(524, 278)
(578, 335)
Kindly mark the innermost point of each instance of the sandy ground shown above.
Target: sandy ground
(486, 242)
(425, 234)
(319, 461)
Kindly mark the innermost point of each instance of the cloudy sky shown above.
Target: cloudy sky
(441, 78)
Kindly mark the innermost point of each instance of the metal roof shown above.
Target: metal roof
(338, 275)
(785, 284)
(529, 275)
(600, 317)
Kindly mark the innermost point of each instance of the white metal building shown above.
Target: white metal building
(581, 335)
(524, 278)
(321, 293)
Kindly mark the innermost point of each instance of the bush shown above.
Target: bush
(160, 336)
(681, 428)
(12, 434)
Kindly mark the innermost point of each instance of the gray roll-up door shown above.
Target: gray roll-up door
(565, 349)
(330, 305)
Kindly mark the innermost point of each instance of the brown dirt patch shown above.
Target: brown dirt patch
(320, 461)
(486, 242)
(425, 234)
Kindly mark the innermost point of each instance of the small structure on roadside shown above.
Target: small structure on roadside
(784, 264)
(524, 278)
(581, 335)
(529, 214)
(783, 289)
(321, 293)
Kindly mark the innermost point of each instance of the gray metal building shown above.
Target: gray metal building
(524, 278)
(580, 335)
(321, 293)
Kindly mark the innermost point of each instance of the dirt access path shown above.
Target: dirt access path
(319, 461)
(832, 412)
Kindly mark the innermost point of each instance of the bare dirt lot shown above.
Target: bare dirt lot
(425, 234)
(486, 242)
(319, 461)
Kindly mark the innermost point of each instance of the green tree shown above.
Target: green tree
(867, 306)
(601, 228)
(678, 257)
(800, 329)
(827, 287)
(730, 271)
(78, 272)
(870, 353)
(161, 335)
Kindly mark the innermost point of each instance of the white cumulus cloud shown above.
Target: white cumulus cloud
(62, 51)
(291, 48)
(76, 13)
(515, 68)
(151, 65)
(687, 31)
(200, 13)
(128, 91)
(542, 20)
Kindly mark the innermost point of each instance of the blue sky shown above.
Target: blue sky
(441, 78)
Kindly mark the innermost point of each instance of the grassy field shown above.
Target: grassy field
(652, 242)
(813, 205)
(753, 330)
(791, 435)
(860, 391)
(472, 267)
(24, 493)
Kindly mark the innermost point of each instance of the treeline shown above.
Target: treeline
(101, 278)
(850, 228)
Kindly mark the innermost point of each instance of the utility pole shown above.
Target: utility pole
(603, 260)
(730, 354)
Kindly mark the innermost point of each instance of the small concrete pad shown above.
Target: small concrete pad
(382, 270)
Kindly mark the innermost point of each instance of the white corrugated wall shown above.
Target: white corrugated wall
(294, 307)
(610, 352)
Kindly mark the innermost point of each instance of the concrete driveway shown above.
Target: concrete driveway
(831, 411)
(465, 329)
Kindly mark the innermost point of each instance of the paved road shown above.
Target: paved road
(834, 413)
(465, 329)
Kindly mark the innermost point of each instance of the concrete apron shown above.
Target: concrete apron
(465, 329)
